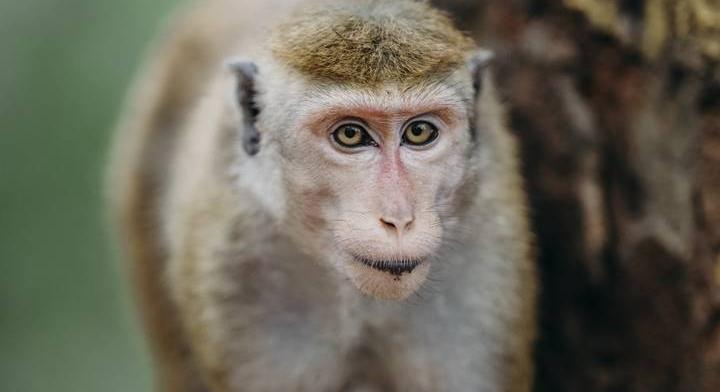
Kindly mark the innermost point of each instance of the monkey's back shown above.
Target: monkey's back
(190, 50)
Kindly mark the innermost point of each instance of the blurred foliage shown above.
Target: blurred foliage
(65, 314)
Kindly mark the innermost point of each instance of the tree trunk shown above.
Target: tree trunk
(617, 107)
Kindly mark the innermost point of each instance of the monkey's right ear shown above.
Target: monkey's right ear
(245, 72)
(478, 64)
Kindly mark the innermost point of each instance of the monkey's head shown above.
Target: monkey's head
(369, 116)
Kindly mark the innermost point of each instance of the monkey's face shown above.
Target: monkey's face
(376, 175)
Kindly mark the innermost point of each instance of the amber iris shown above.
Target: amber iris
(420, 133)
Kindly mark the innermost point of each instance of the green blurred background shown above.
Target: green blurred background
(66, 318)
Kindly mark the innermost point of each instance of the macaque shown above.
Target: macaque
(323, 196)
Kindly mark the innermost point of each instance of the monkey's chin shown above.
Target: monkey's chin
(388, 280)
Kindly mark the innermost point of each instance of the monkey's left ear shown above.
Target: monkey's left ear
(245, 72)
(478, 64)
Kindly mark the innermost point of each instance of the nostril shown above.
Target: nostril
(397, 226)
(388, 224)
(408, 225)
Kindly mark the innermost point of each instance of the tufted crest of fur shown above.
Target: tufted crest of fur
(371, 41)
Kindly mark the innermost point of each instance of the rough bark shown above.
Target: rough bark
(617, 106)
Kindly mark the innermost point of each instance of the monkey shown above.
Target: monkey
(324, 196)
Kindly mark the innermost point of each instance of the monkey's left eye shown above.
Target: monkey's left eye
(420, 133)
(352, 135)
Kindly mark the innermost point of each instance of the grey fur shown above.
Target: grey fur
(254, 300)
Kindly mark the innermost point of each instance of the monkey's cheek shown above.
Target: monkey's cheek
(385, 285)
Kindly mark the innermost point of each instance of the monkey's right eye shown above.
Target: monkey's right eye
(352, 135)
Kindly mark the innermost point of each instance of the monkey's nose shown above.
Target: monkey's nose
(397, 225)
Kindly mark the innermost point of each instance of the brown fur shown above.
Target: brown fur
(371, 42)
(180, 67)
(174, 80)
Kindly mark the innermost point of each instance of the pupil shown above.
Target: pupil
(417, 130)
(350, 132)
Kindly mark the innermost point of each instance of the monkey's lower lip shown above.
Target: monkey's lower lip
(394, 267)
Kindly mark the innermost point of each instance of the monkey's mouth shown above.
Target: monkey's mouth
(393, 267)
(393, 278)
